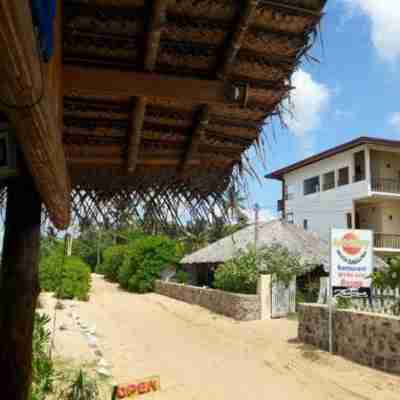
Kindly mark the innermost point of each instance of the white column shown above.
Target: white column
(368, 168)
(264, 291)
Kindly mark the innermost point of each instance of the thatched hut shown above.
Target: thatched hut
(313, 250)
(130, 106)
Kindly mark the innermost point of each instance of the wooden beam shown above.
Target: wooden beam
(19, 287)
(195, 140)
(106, 82)
(136, 126)
(157, 20)
(235, 42)
(24, 86)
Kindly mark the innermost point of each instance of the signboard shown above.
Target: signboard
(137, 388)
(351, 259)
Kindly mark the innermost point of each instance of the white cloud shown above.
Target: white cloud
(385, 24)
(309, 100)
(394, 120)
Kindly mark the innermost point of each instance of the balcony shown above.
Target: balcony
(385, 185)
(387, 241)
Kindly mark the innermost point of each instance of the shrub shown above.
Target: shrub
(145, 260)
(68, 277)
(182, 277)
(42, 366)
(238, 275)
(113, 259)
(76, 279)
(83, 388)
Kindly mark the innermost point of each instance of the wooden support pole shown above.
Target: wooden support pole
(195, 140)
(237, 38)
(19, 288)
(135, 133)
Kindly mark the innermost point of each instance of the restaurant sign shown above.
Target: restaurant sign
(137, 388)
(351, 258)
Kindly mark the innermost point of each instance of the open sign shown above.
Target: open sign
(137, 388)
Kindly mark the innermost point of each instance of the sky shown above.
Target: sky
(353, 90)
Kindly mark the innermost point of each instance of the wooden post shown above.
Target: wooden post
(19, 288)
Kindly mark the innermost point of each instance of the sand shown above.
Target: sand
(201, 355)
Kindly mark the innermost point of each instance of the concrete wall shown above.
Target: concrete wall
(238, 306)
(370, 339)
(325, 209)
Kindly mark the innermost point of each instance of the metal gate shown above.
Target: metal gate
(283, 299)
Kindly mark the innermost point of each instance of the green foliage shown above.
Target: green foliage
(182, 277)
(389, 278)
(75, 281)
(42, 366)
(68, 277)
(283, 265)
(83, 388)
(238, 275)
(113, 260)
(144, 261)
(343, 303)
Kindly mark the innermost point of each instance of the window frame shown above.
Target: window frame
(317, 186)
(339, 182)
(331, 184)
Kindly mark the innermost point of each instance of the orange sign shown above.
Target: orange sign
(137, 388)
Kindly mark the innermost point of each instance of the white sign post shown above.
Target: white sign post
(351, 262)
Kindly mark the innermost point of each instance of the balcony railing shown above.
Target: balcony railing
(385, 185)
(387, 241)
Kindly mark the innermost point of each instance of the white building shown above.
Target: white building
(354, 185)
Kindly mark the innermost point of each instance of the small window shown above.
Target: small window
(290, 218)
(311, 185)
(349, 219)
(343, 176)
(329, 180)
(305, 224)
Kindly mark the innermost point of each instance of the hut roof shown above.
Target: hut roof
(312, 249)
(164, 96)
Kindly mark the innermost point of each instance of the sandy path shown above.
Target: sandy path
(200, 355)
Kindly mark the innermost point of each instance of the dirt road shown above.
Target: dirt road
(200, 355)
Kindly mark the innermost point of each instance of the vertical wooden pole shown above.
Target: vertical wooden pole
(19, 288)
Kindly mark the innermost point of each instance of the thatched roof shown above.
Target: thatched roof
(162, 98)
(312, 249)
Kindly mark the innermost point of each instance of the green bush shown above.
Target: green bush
(68, 277)
(182, 277)
(76, 279)
(238, 275)
(42, 366)
(113, 259)
(144, 261)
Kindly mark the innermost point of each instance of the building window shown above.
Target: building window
(311, 185)
(328, 180)
(349, 219)
(290, 218)
(305, 224)
(343, 176)
(359, 166)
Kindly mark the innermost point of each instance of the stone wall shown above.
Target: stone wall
(241, 307)
(367, 338)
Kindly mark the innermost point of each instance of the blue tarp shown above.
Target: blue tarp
(43, 14)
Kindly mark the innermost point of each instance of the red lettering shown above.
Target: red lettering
(142, 388)
(121, 393)
(154, 386)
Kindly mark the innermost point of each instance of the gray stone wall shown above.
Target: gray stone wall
(241, 307)
(367, 338)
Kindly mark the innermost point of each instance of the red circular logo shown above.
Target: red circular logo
(350, 248)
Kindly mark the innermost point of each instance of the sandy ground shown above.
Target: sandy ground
(200, 355)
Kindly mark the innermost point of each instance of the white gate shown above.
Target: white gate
(283, 299)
